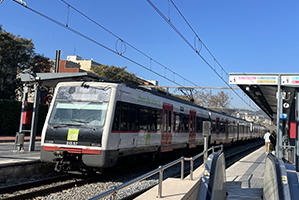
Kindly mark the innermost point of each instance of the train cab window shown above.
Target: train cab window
(79, 113)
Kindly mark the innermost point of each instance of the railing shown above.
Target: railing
(160, 170)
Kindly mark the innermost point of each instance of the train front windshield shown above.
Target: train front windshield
(80, 105)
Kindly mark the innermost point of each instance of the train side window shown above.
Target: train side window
(143, 118)
(185, 123)
(199, 124)
(217, 125)
(154, 120)
(128, 117)
(159, 119)
(176, 123)
(132, 118)
(213, 126)
(124, 118)
(116, 120)
(221, 129)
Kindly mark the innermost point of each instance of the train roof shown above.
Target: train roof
(163, 94)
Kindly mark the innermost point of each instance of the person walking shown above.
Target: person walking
(267, 140)
(273, 140)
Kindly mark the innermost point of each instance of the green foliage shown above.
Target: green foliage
(10, 117)
(116, 74)
(16, 55)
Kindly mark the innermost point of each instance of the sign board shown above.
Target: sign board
(289, 80)
(283, 116)
(253, 80)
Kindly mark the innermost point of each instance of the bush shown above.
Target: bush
(10, 113)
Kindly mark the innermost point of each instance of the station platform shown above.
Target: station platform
(245, 178)
(9, 156)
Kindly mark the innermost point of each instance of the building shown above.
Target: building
(85, 65)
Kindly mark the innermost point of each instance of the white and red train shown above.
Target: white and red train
(93, 124)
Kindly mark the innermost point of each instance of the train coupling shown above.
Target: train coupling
(62, 161)
(60, 153)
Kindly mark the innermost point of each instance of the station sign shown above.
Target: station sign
(253, 80)
(283, 116)
(289, 80)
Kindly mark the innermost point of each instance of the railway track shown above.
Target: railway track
(42, 188)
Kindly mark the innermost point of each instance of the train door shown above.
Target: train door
(192, 129)
(238, 130)
(227, 138)
(166, 139)
(217, 131)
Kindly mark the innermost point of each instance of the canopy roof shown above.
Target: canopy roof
(262, 88)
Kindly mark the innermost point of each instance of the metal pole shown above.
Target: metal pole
(191, 168)
(34, 118)
(24, 106)
(182, 168)
(278, 120)
(57, 59)
(160, 182)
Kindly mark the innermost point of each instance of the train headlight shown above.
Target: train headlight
(49, 141)
(95, 144)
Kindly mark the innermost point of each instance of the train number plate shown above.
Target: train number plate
(71, 143)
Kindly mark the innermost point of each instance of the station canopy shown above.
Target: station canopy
(262, 88)
(51, 79)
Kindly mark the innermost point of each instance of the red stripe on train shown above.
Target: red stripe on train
(73, 150)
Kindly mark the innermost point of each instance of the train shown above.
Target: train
(92, 125)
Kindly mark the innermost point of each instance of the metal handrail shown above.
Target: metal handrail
(113, 191)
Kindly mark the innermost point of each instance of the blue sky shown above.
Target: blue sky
(253, 36)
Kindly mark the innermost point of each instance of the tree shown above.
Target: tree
(16, 55)
(203, 98)
(221, 100)
(218, 102)
(116, 74)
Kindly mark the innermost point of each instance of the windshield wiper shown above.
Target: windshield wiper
(85, 122)
(63, 125)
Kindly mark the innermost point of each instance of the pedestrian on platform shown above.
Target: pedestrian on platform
(273, 141)
(267, 140)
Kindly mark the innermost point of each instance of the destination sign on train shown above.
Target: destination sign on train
(253, 80)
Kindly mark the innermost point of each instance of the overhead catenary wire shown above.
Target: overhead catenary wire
(66, 26)
(116, 52)
(192, 47)
(94, 41)
(119, 38)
